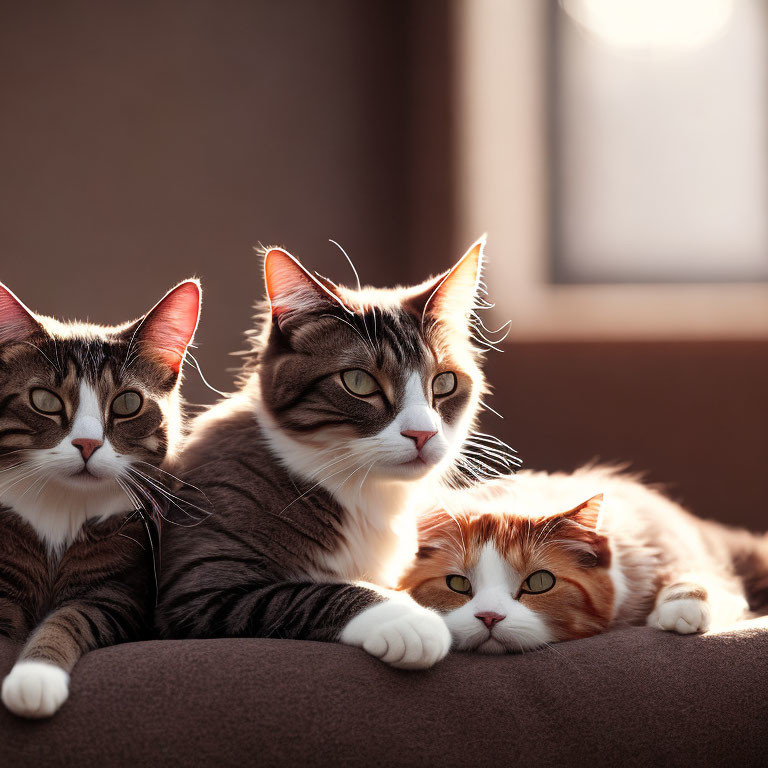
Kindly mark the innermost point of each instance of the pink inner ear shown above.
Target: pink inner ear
(289, 286)
(170, 326)
(457, 291)
(588, 513)
(16, 322)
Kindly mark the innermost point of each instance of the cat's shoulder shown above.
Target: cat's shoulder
(228, 428)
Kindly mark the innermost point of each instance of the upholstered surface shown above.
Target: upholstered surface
(633, 697)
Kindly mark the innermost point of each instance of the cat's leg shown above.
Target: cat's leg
(14, 623)
(400, 632)
(696, 603)
(38, 684)
(682, 606)
(386, 624)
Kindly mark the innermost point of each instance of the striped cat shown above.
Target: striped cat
(352, 401)
(87, 416)
(510, 570)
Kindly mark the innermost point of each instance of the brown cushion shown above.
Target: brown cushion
(633, 697)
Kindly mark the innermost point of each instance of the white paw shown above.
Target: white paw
(681, 616)
(35, 689)
(400, 633)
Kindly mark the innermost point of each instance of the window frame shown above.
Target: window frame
(504, 100)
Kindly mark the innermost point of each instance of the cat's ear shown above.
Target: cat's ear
(436, 523)
(16, 321)
(440, 531)
(587, 514)
(292, 290)
(582, 533)
(166, 331)
(453, 293)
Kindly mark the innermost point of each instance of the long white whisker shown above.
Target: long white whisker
(322, 480)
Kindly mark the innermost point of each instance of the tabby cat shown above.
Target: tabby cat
(87, 416)
(352, 401)
(511, 570)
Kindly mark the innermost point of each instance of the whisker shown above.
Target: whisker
(323, 480)
(172, 498)
(492, 410)
(34, 346)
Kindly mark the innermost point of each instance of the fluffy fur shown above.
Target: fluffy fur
(311, 482)
(87, 417)
(631, 557)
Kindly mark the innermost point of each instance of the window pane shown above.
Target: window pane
(660, 169)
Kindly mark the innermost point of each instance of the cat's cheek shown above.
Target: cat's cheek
(436, 450)
(466, 631)
(35, 689)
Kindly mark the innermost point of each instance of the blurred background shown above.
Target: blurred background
(615, 151)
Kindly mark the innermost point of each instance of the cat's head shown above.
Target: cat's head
(507, 582)
(85, 407)
(383, 383)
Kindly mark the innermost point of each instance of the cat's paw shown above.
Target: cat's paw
(400, 633)
(684, 616)
(35, 689)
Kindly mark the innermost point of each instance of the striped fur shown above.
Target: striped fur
(311, 485)
(78, 529)
(634, 558)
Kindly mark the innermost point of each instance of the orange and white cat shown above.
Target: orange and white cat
(518, 563)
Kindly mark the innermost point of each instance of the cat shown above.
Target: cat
(521, 563)
(88, 414)
(351, 402)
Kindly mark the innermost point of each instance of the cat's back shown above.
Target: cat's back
(227, 466)
(631, 509)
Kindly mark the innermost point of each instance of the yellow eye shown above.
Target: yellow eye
(359, 382)
(127, 404)
(458, 584)
(538, 582)
(444, 384)
(45, 401)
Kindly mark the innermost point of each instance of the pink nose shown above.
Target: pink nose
(87, 446)
(489, 618)
(418, 436)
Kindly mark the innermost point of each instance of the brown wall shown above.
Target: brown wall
(692, 416)
(144, 142)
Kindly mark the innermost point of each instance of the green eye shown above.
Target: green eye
(359, 382)
(126, 404)
(458, 584)
(45, 401)
(538, 582)
(444, 384)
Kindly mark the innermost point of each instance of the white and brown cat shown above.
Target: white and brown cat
(352, 402)
(88, 416)
(523, 562)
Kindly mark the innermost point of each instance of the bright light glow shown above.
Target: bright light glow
(662, 25)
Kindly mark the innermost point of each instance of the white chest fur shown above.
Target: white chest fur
(378, 536)
(57, 513)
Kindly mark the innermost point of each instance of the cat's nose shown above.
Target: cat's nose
(489, 618)
(87, 446)
(418, 436)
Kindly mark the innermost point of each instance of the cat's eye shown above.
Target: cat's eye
(444, 384)
(127, 404)
(359, 382)
(45, 401)
(538, 582)
(458, 584)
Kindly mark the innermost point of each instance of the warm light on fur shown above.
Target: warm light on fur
(633, 557)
